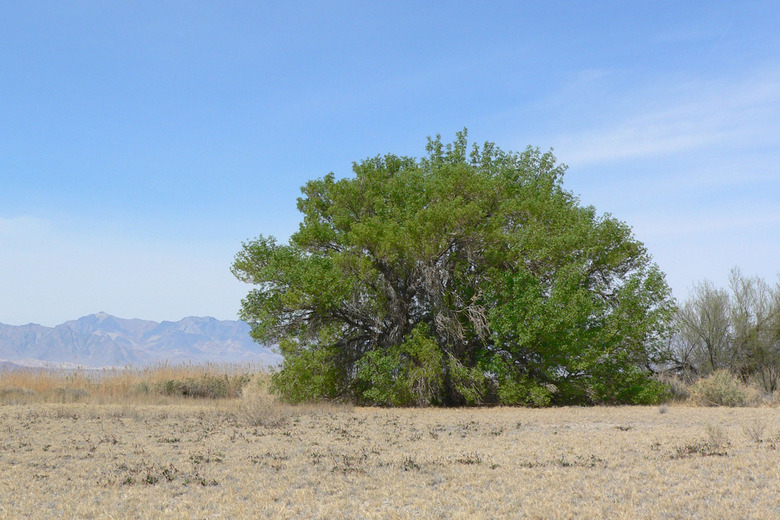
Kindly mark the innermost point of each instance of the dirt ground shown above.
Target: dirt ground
(220, 460)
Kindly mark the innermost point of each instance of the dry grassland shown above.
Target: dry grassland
(254, 458)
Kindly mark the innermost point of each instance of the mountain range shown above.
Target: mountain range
(102, 340)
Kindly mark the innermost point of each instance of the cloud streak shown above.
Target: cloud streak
(693, 166)
(693, 115)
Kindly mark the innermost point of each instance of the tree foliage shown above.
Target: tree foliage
(466, 276)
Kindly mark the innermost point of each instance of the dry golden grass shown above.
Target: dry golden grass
(130, 385)
(255, 458)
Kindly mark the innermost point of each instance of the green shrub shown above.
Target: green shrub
(653, 391)
(637, 387)
(524, 392)
(410, 374)
(70, 395)
(206, 387)
(142, 388)
(379, 380)
(539, 396)
(468, 382)
(308, 374)
(413, 374)
(722, 388)
(489, 250)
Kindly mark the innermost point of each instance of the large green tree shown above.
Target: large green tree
(467, 276)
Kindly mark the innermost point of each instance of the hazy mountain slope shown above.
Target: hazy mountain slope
(105, 340)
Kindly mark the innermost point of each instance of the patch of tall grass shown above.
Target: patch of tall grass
(151, 384)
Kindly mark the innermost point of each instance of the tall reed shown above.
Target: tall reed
(136, 384)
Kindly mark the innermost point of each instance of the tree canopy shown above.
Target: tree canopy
(469, 275)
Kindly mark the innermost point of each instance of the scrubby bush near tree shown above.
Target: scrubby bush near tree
(736, 330)
(722, 388)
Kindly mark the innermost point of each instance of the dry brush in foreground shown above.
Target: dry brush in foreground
(254, 458)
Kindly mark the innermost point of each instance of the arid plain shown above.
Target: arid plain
(252, 457)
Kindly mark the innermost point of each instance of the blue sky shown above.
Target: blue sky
(142, 142)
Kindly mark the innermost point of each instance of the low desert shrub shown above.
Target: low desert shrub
(678, 388)
(70, 395)
(722, 388)
(208, 386)
(16, 395)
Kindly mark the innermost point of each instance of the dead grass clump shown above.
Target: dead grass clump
(698, 448)
(717, 436)
(258, 407)
(754, 430)
(773, 399)
(713, 446)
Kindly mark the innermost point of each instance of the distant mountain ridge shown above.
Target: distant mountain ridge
(102, 340)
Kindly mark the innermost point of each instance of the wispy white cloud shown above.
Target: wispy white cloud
(692, 165)
(689, 115)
